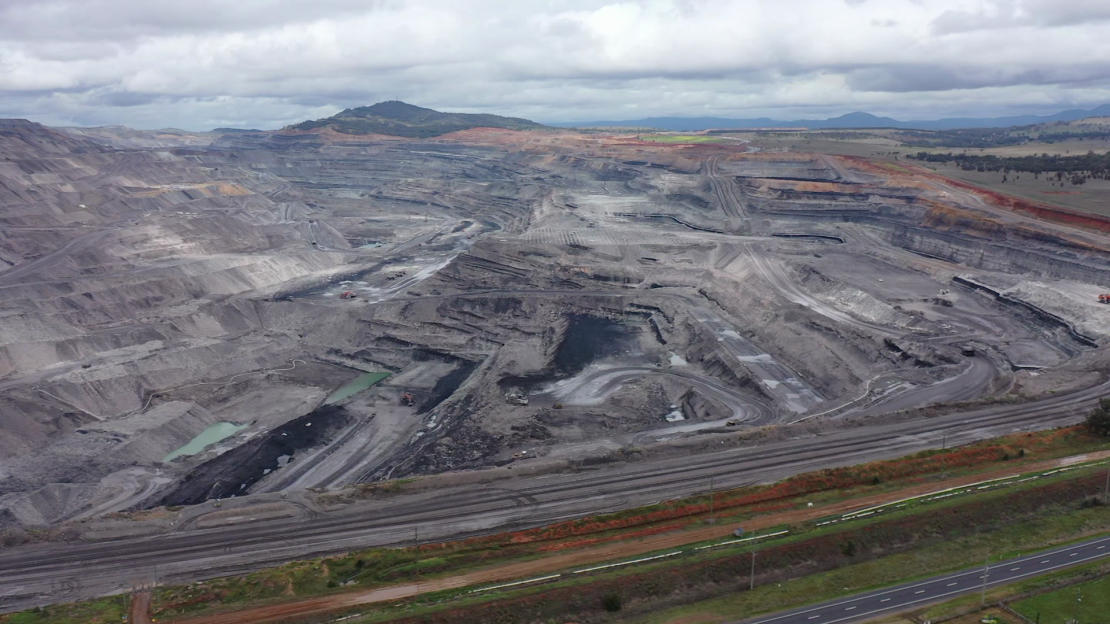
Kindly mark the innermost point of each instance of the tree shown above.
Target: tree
(1098, 421)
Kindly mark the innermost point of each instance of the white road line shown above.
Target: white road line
(1073, 554)
(920, 591)
(1015, 569)
(849, 608)
(1045, 561)
(968, 573)
(951, 593)
(951, 584)
(813, 617)
(1100, 548)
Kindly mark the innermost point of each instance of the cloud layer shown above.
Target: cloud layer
(268, 63)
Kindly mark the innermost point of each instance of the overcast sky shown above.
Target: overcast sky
(200, 64)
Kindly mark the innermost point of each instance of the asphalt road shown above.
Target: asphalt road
(939, 588)
(43, 574)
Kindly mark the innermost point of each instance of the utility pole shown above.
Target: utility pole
(1078, 602)
(986, 573)
(751, 578)
(711, 497)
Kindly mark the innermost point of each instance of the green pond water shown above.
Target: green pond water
(216, 433)
(363, 382)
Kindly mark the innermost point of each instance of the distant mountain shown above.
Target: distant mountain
(405, 120)
(851, 120)
(235, 130)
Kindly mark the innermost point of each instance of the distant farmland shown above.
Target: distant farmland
(680, 138)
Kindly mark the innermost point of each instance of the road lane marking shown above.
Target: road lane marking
(1045, 561)
(951, 584)
(849, 608)
(1073, 555)
(969, 573)
(920, 591)
(950, 593)
(813, 617)
(1100, 548)
(1015, 569)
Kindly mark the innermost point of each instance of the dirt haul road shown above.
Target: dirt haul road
(49, 573)
(556, 563)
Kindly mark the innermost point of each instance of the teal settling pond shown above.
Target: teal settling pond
(216, 433)
(363, 382)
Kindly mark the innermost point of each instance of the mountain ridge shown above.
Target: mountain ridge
(396, 118)
(851, 120)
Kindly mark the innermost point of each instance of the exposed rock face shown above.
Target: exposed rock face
(154, 284)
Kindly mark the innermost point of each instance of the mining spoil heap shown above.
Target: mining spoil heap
(542, 299)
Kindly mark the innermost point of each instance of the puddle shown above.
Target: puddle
(361, 383)
(216, 433)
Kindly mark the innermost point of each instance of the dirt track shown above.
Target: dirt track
(548, 565)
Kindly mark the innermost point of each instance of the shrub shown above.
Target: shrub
(611, 602)
(1098, 421)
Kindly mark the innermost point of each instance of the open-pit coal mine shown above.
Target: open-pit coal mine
(263, 314)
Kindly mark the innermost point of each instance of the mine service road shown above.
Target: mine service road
(40, 574)
(28, 268)
(894, 599)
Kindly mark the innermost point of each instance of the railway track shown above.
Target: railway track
(47, 573)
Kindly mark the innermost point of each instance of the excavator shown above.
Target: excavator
(407, 399)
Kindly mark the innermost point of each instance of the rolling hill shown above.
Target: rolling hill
(405, 120)
(851, 120)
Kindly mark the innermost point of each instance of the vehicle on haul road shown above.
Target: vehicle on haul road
(1104, 298)
(348, 294)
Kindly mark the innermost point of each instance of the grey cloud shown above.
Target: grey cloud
(266, 64)
(1005, 14)
(916, 78)
(37, 20)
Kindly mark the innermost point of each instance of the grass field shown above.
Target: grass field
(1092, 197)
(1087, 603)
(950, 555)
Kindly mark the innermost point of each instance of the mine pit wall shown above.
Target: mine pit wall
(234, 472)
(459, 441)
(1011, 249)
(1043, 316)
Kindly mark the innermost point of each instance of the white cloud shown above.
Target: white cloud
(213, 63)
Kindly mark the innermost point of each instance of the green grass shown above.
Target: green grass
(1092, 197)
(1054, 528)
(1086, 602)
(680, 138)
(949, 556)
(92, 612)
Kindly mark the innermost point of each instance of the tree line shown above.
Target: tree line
(1075, 169)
